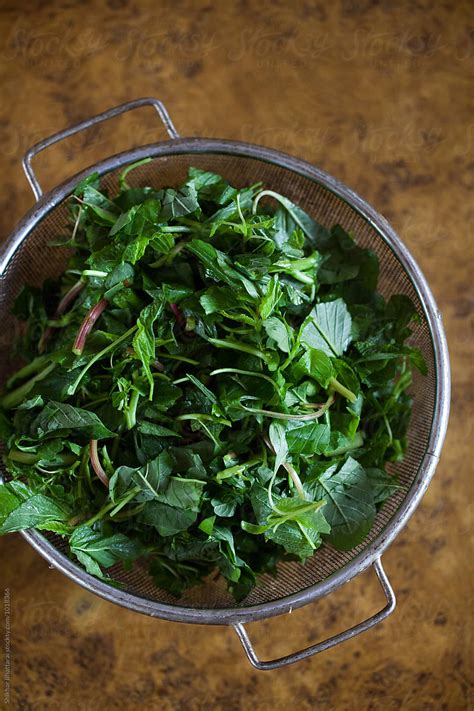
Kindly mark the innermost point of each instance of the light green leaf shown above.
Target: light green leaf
(329, 328)
(279, 332)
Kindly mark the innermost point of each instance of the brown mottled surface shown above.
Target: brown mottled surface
(376, 93)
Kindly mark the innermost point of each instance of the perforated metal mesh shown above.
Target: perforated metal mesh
(34, 261)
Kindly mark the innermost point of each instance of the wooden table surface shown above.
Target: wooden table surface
(377, 94)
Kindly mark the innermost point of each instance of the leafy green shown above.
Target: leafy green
(144, 339)
(96, 550)
(307, 437)
(62, 417)
(34, 511)
(167, 520)
(350, 507)
(329, 328)
(211, 384)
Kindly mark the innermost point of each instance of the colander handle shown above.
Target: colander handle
(327, 643)
(88, 123)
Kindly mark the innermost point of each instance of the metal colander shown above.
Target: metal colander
(28, 259)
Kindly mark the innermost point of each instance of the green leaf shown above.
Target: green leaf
(289, 534)
(183, 493)
(279, 443)
(270, 299)
(36, 511)
(144, 339)
(36, 401)
(151, 479)
(313, 231)
(135, 249)
(204, 390)
(217, 266)
(61, 417)
(315, 364)
(167, 520)
(329, 328)
(218, 298)
(95, 549)
(279, 332)
(207, 525)
(350, 508)
(176, 203)
(211, 186)
(307, 438)
(150, 428)
(226, 503)
(105, 210)
(8, 502)
(383, 484)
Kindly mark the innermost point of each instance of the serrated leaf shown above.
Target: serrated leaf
(56, 417)
(349, 508)
(329, 328)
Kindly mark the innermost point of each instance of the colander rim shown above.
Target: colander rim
(371, 552)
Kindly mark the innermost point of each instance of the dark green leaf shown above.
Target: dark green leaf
(166, 519)
(349, 508)
(61, 417)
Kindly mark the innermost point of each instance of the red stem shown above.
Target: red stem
(178, 315)
(87, 325)
(67, 299)
(95, 462)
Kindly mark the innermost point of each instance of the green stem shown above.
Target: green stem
(242, 318)
(128, 514)
(295, 478)
(246, 372)
(131, 411)
(130, 495)
(357, 442)
(28, 370)
(234, 345)
(199, 416)
(302, 277)
(236, 470)
(16, 396)
(161, 376)
(238, 331)
(97, 401)
(16, 455)
(167, 258)
(305, 534)
(94, 273)
(116, 442)
(176, 357)
(342, 390)
(286, 416)
(84, 471)
(100, 514)
(181, 380)
(123, 175)
(72, 388)
(175, 228)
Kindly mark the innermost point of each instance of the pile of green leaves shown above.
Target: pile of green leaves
(214, 382)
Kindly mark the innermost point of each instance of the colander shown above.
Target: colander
(27, 258)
